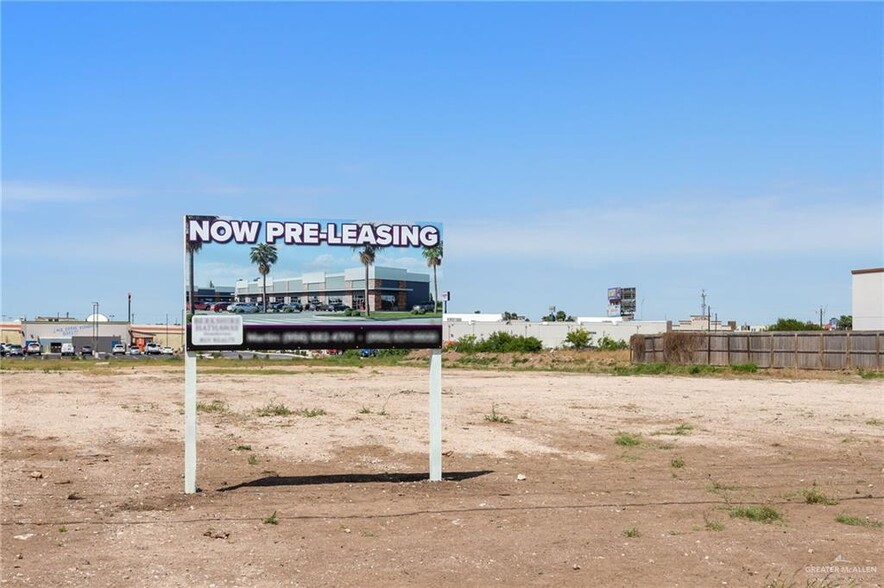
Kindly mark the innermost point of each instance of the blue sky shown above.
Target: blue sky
(566, 147)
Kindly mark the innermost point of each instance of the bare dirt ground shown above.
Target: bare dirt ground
(92, 480)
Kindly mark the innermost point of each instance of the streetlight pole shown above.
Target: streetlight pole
(94, 327)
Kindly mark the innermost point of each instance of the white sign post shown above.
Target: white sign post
(436, 415)
(189, 422)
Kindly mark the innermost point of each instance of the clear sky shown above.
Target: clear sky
(566, 147)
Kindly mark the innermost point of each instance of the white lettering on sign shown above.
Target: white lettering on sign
(216, 330)
(223, 230)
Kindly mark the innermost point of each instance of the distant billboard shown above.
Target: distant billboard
(311, 284)
(621, 302)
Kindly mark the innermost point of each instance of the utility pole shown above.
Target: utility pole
(822, 310)
(94, 328)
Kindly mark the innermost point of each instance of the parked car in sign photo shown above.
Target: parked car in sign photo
(220, 306)
(243, 308)
(292, 307)
(428, 306)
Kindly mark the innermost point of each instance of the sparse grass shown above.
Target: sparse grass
(871, 375)
(716, 487)
(216, 406)
(253, 459)
(683, 429)
(677, 462)
(757, 513)
(744, 368)
(631, 532)
(364, 410)
(273, 408)
(243, 447)
(859, 521)
(713, 524)
(814, 495)
(496, 417)
(271, 520)
(680, 430)
(62, 529)
(628, 439)
(310, 412)
(875, 422)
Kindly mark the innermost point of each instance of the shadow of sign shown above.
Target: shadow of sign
(392, 478)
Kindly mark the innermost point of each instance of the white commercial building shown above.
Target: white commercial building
(868, 299)
(552, 334)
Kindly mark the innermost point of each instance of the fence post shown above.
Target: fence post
(795, 351)
(822, 348)
(847, 357)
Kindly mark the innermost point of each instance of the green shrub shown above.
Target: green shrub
(578, 338)
(498, 342)
(608, 344)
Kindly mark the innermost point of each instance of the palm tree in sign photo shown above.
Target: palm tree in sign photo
(367, 255)
(433, 255)
(264, 256)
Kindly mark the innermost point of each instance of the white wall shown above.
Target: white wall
(868, 300)
(552, 335)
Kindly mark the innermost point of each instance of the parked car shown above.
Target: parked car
(220, 306)
(134, 350)
(200, 306)
(276, 307)
(338, 307)
(153, 349)
(168, 351)
(119, 349)
(34, 348)
(13, 350)
(243, 308)
(67, 350)
(85, 350)
(4, 347)
(316, 305)
(421, 307)
(368, 352)
(292, 307)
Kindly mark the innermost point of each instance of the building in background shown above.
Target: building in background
(868, 299)
(96, 331)
(389, 288)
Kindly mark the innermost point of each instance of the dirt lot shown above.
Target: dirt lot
(92, 480)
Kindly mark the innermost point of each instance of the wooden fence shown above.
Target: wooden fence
(826, 350)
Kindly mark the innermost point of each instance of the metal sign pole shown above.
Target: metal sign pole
(436, 415)
(189, 422)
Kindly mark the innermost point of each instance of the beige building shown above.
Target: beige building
(868, 299)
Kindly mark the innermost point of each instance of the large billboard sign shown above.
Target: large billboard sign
(621, 302)
(311, 284)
